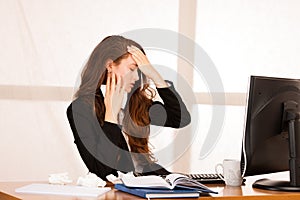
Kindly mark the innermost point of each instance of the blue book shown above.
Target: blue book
(158, 193)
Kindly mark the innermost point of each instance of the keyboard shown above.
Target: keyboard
(206, 178)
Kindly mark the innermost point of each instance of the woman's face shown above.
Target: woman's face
(127, 69)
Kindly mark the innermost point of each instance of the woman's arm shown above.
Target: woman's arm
(172, 112)
(103, 149)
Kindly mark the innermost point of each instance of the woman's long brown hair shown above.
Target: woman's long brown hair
(136, 122)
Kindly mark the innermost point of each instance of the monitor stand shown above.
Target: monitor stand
(292, 117)
(277, 185)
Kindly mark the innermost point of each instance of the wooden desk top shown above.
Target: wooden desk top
(246, 191)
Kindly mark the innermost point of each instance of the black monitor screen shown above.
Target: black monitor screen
(266, 141)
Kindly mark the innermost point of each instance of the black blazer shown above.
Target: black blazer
(104, 149)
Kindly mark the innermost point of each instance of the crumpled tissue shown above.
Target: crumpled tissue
(91, 180)
(113, 179)
(59, 178)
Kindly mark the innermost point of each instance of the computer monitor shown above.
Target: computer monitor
(272, 131)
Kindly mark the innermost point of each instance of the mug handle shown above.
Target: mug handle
(217, 171)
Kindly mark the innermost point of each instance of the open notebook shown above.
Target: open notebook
(70, 190)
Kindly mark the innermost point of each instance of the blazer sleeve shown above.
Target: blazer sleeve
(172, 112)
(103, 149)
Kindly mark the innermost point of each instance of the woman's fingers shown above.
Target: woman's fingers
(113, 82)
(136, 58)
(118, 85)
(120, 88)
(108, 84)
(113, 97)
(135, 49)
(144, 65)
(139, 57)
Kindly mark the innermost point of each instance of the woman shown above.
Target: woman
(112, 132)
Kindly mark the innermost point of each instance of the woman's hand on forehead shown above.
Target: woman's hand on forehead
(145, 66)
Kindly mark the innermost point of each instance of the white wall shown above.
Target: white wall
(250, 37)
(45, 43)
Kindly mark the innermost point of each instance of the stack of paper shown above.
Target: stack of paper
(69, 190)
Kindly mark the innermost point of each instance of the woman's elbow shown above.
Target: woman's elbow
(185, 120)
(181, 121)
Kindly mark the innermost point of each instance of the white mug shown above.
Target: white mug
(231, 172)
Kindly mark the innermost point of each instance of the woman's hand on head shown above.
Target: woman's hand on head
(113, 97)
(145, 66)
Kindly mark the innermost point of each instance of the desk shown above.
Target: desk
(246, 192)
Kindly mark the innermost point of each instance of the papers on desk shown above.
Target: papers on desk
(169, 182)
(68, 190)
